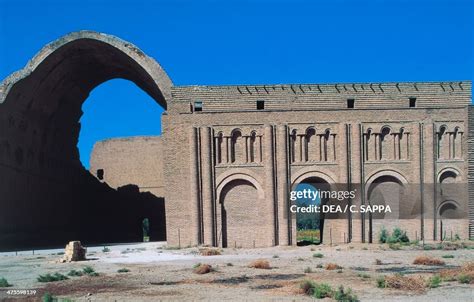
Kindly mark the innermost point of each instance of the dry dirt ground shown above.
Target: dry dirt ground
(157, 273)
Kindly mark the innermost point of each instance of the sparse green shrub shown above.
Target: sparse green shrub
(196, 265)
(300, 259)
(465, 279)
(345, 295)
(399, 235)
(308, 270)
(4, 283)
(383, 235)
(74, 273)
(51, 277)
(276, 256)
(308, 287)
(322, 290)
(428, 247)
(123, 270)
(394, 246)
(318, 255)
(381, 282)
(90, 271)
(105, 249)
(456, 237)
(378, 262)
(363, 275)
(448, 256)
(229, 264)
(434, 281)
(47, 297)
(319, 266)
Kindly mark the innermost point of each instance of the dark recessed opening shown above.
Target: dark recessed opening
(100, 174)
(412, 102)
(197, 106)
(260, 105)
(350, 103)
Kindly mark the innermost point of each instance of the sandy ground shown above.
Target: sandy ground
(157, 273)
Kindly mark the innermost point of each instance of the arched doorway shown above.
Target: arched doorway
(450, 211)
(243, 216)
(385, 190)
(310, 226)
(41, 107)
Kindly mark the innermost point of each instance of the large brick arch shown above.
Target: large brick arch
(47, 196)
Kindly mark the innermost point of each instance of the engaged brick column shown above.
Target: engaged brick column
(270, 175)
(207, 200)
(194, 187)
(282, 182)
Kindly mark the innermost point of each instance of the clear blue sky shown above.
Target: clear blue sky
(208, 42)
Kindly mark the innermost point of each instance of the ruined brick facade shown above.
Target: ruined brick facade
(249, 145)
(229, 155)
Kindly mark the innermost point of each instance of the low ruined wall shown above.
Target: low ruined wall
(132, 160)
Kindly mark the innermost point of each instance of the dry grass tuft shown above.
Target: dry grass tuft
(203, 269)
(466, 271)
(411, 283)
(260, 263)
(426, 260)
(332, 266)
(209, 252)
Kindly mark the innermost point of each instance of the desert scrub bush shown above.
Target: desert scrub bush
(434, 281)
(90, 271)
(47, 297)
(395, 246)
(276, 256)
(123, 270)
(426, 260)
(345, 295)
(378, 262)
(428, 247)
(319, 266)
(51, 277)
(308, 270)
(363, 275)
(448, 256)
(465, 279)
(322, 290)
(333, 266)
(105, 249)
(74, 273)
(260, 263)
(4, 283)
(455, 273)
(318, 255)
(380, 281)
(317, 290)
(202, 269)
(383, 235)
(307, 286)
(229, 264)
(399, 281)
(300, 259)
(209, 252)
(398, 236)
